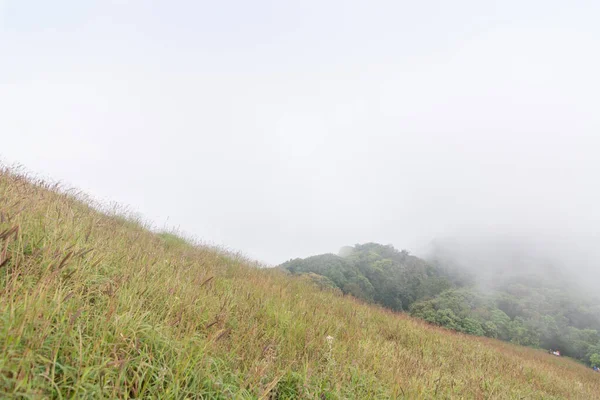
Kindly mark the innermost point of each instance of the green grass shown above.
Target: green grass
(98, 306)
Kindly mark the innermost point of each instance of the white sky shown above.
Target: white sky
(285, 130)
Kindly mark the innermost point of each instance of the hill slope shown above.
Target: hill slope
(98, 306)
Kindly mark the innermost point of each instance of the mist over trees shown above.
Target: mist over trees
(516, 296)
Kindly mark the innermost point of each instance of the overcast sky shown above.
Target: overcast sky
(285, 130)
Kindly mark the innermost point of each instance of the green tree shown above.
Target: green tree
(471, 326)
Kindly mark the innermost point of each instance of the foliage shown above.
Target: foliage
(322, 282)
(376, 273)
(344, 274)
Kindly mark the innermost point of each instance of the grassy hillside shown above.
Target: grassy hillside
(96, 306)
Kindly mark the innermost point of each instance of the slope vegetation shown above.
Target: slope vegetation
(97, 306)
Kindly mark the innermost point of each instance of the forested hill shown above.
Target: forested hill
(532, 307)
(376, 273)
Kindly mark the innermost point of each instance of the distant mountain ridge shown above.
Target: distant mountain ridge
(530, 305)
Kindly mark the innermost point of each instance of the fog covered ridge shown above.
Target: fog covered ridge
(498, 289)
(558, 261)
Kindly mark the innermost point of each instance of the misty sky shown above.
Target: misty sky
(285, 130)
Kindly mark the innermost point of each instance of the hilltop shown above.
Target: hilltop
(96, 305)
